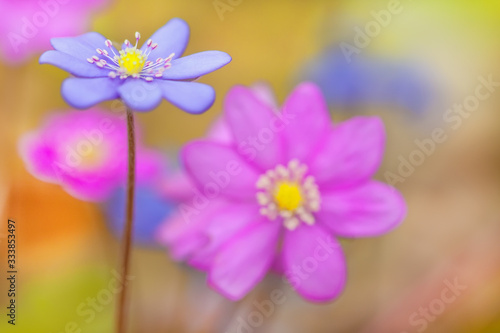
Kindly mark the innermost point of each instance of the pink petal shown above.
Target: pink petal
(189, 245)
(150, 165)
(253, 124)
(184, 232)
(90, 187)
(220, 132)
(314, 263)
(38, 157)
(309, 121)
(351, 153)
(245, 260)
(177, 186)
(371, 209)
(219, 170)
(221, 227)
(265, 94)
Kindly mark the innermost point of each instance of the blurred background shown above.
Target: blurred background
(410, 67)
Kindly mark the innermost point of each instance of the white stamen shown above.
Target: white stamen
(271, 174)
(307, 218)
(263, 198)
(263, 182)
(314, 205)
(282, 171)
(293, 164)
(148, 71)
(170, 57)
(291, 223)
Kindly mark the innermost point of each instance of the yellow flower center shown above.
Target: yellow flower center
(131, 61)
(92, 158)
(288, 196)
(288, 193)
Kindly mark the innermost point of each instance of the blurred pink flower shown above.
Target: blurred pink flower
(26, 26)
(276, 189)
(86, 153)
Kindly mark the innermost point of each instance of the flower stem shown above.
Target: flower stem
(127, 235)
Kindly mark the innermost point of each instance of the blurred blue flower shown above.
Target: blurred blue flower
(151, 209)
(367, 81)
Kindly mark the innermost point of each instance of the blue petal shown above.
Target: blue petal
(196, 65)
(171, 38)
(81, 47)
(83, 93)
(150, 210)
(140, 95)
(192, 97)
(72, 65)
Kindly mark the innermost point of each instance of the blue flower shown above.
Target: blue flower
(367, 81)
(150, 210)
(141, 77)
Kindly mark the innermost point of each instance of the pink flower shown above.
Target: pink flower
(278, 194)
(86, 153)
(177, 184)
(26, 26)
